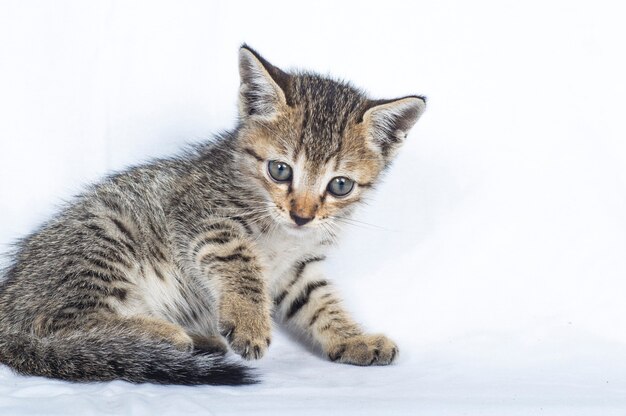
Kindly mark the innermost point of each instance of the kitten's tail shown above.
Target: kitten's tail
(98, 356)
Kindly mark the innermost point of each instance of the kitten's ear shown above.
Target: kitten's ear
(389, 121)
(262, 93)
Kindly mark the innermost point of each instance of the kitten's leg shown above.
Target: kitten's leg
(152, 327)
(227, 261)
(308, 303)
(159, 328)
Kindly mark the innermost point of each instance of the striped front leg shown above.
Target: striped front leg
(308, 303)
(227, 259)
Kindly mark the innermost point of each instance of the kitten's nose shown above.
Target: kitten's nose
(299, 220)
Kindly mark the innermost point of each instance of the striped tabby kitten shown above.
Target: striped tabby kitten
(155, 273)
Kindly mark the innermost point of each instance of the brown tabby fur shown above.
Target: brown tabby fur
(154, 273)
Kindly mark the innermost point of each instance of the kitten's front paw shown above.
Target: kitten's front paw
(248, 332)
(364, 350)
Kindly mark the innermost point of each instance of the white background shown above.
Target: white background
(495, 253)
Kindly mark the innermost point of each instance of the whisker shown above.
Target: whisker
(358, 223)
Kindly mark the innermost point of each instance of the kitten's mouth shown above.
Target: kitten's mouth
(293, 228)
(290, 224)
(298, 227)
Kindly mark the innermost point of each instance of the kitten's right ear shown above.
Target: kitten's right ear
(262, 93)
(389, 121)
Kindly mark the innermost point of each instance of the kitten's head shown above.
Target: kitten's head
(315, 145)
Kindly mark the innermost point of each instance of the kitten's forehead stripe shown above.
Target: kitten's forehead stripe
(327, 106)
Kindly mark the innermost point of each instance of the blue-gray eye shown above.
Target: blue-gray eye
(279, 171)
(340, 186)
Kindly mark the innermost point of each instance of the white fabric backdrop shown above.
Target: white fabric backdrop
(496, 254)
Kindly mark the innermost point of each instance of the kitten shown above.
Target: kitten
(154, 273)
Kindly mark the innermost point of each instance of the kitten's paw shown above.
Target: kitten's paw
(248, 334)
(364, 350)
(211, 344)
(167, 331)
(182, 342)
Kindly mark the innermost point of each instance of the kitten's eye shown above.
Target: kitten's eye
(340, 186)
(279, 171)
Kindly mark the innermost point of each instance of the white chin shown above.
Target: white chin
(297, 229)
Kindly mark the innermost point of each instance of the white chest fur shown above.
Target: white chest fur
(282, 249)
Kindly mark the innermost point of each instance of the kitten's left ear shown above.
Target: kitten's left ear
(389, 121)
(262, 93)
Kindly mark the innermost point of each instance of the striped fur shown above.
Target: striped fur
(154, 273)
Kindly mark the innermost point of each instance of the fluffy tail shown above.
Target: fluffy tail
(94, 356)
